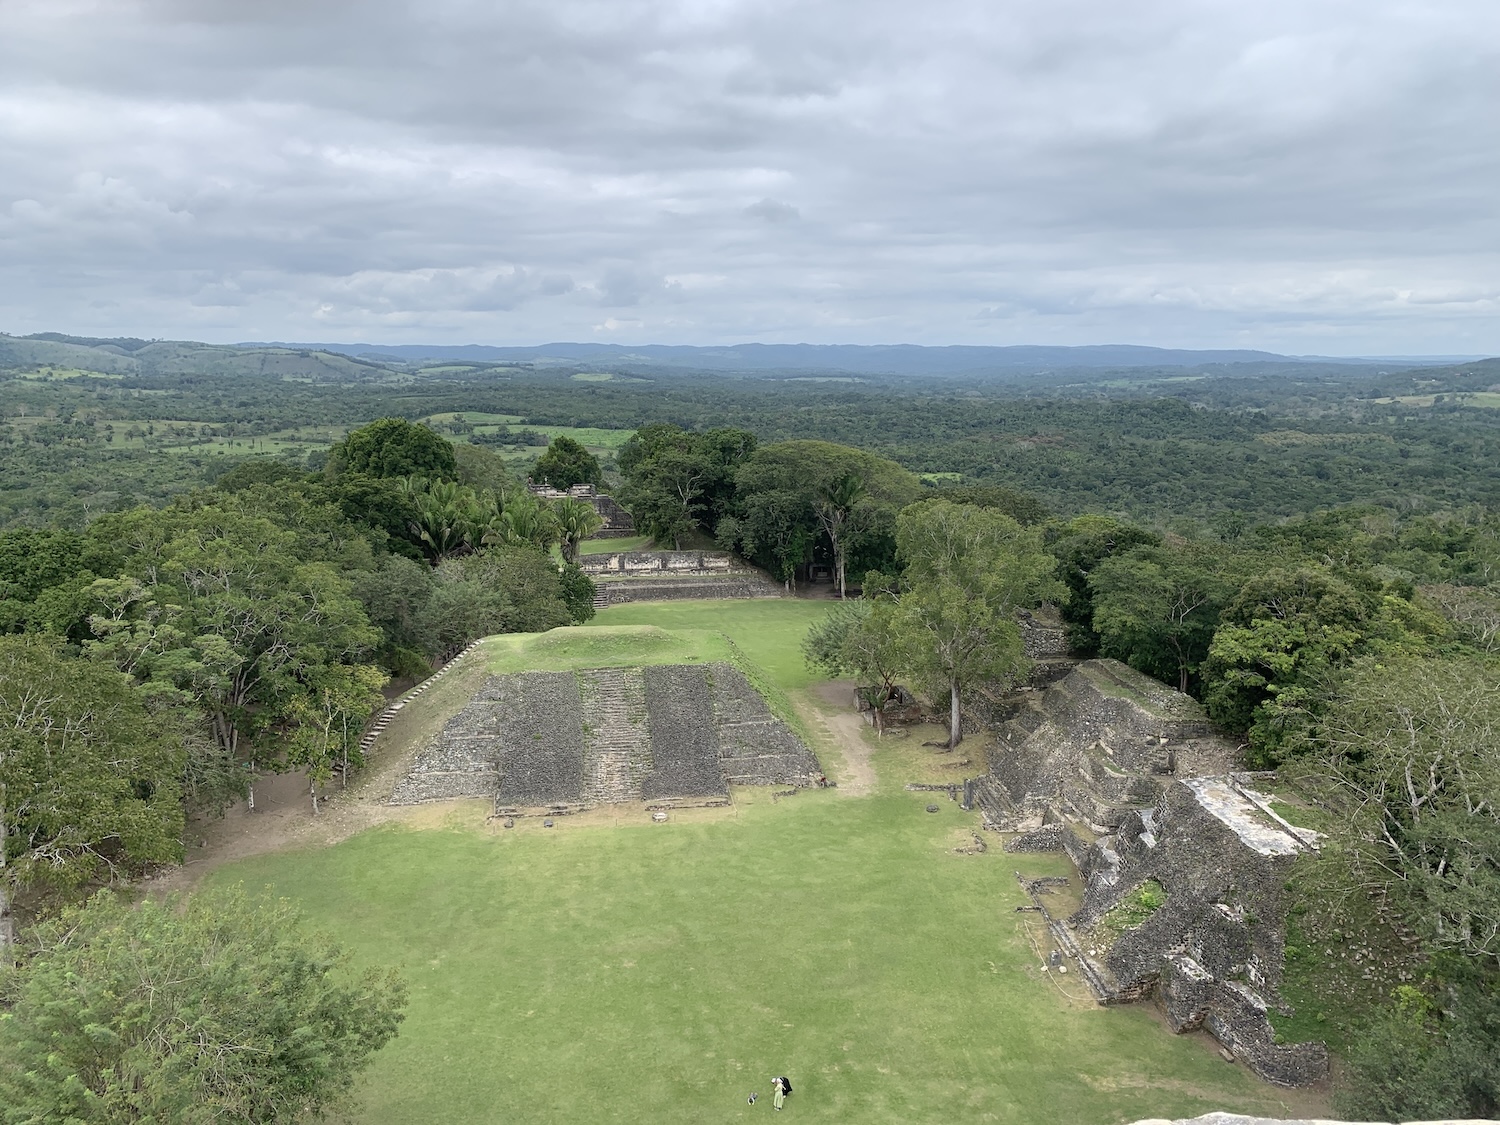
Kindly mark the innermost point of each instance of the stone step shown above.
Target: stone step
(617, 740)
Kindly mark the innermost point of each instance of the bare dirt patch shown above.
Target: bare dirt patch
(283, 818)
(825, 707)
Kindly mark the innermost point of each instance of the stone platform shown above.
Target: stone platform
(563, 741)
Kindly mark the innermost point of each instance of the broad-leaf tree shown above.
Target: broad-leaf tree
(969, 571)
(394, 447)
(218, 1009)
(1156, 608)
(565, 464)
(90, 778)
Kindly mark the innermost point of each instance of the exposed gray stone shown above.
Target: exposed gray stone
(564, 740)
(1125, 775)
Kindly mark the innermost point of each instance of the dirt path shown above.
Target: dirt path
(828, 707)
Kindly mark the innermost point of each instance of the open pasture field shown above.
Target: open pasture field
(623, 971)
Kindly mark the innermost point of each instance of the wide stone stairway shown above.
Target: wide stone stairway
(616, 737)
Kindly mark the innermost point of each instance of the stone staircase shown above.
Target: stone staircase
(616, 738)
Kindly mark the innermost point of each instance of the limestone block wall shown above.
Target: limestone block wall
(653, 563)
(540, 740)
(755, 747)
(734, 585)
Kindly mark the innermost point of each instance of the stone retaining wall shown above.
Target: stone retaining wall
(737, 585)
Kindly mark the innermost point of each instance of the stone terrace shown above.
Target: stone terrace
(684, 739)
(559, 740)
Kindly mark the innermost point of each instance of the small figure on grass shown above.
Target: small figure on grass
(783, 1087)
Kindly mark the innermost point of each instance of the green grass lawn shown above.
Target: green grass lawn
(767, 630)
(611, 646)
(611, 546)
(639, 972)
(659, 973)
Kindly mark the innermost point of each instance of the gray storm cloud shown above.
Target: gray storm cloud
(1302, 176)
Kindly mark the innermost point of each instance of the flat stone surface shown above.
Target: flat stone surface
(1220, 799)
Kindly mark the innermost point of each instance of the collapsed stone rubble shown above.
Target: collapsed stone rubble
(1128, 778)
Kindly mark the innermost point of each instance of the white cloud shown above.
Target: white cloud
(1073, 171)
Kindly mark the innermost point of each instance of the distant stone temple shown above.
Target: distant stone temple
(617, 521)
(1128, 778)
(640, 576)
(563, 741)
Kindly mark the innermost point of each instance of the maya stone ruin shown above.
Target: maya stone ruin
(1128, 778)
(672, 734)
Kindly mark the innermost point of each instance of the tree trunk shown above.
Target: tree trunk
(956, 732)
(1182, 678)
(839, 559)
(7, 930)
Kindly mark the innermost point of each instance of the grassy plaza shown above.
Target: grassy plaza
(619, 970)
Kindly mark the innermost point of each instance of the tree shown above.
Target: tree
(664, 494)
(1408, 758)
(244, 625)
(1156, 608)
(577, 520)
(1406, 766)
(677, 482)
(858, 637)
(1283, 636)
(776, 531)
(513, 589)
(578, 592)
(1025, 509)
(394, 447)
(214, 1009)
(843, 492)
(969, 571)
(330, 718)
(835, 504)
(1080, 547)
(394, 593)
(90, 779)
(565, 464)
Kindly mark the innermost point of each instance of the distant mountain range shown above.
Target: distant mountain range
(356, 362)
(854, 359)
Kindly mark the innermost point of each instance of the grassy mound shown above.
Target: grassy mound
(623, 646)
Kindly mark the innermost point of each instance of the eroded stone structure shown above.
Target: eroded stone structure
(617, 522)
(1127, 776)
(562, 741)
(637, 576)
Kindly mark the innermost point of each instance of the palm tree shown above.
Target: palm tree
(835, 503)
(577, 520)
(444, 511)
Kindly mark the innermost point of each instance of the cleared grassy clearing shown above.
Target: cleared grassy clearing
(610, 969)
(662, 972)
(593, 439)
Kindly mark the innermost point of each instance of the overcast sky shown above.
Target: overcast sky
(1297, 175)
